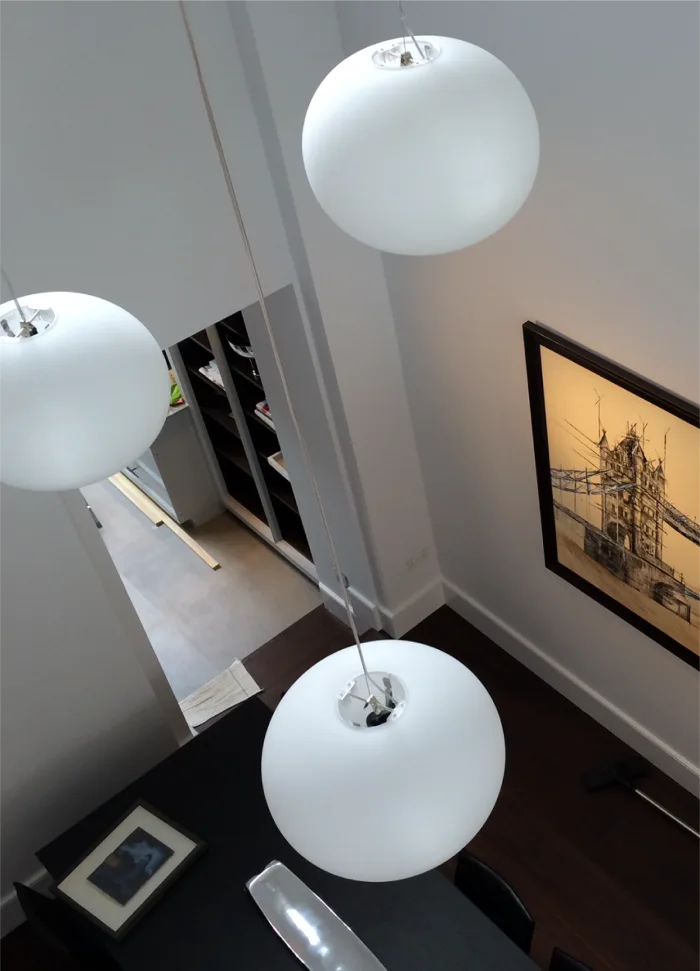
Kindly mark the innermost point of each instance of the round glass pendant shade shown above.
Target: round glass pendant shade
(81, 398)
(421, 158)
(394, 800)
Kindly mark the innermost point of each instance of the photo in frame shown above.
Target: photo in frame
(618, 473)
(131, 867)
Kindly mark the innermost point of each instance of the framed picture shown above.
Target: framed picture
(131, 867)
(618, 472)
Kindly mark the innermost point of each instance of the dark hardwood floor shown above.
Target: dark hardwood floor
(605, 876)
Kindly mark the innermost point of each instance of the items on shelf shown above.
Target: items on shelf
(242, 350)
(243, 450)
(262, 410)
(175, 392)
(211, 371)
(277, 463)
(246, 351)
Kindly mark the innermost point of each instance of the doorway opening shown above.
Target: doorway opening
(204, 528)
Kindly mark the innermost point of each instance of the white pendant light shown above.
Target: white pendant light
(421, 146)
(84, 389)
(393, 800)
(383, 759)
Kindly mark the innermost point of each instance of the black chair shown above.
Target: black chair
(564, 962)
(495, 898)
(52, 923)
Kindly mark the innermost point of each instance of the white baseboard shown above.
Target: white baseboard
(412, 611)
(395, 622)
(11, 915)
(366, 614)
(572, 687)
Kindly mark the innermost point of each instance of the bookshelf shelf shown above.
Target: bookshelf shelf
(240, 442)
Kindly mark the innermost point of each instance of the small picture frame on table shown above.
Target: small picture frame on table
(128, 870)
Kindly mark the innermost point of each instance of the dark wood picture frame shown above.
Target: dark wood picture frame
(537, 336)
(154, 897)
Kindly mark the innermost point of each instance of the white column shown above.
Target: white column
(85, 708)
(286, 50)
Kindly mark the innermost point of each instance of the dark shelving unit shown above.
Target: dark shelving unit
(227, 446)
(199, 377)
(280, 489)
(237, 440)
(202, 340)
(235, 327)
(222, 417)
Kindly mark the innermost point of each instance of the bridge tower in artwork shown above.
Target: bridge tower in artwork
(633, 495)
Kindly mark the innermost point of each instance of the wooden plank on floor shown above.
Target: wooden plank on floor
(192, 543)
(160, 518)
(132, 492)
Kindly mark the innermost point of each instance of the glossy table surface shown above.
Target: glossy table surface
(207, 919)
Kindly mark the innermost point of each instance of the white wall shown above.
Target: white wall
(108, 139)
(111, 185)
(110, 180)
(606, 251)
(79, 716)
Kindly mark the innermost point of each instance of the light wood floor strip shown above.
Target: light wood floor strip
(192, 543)
(147, 506)
(160, 518)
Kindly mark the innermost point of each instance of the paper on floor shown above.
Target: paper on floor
(226, 690)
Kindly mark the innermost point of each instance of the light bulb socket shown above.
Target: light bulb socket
(405, 54)
(35, 323)
(372, 703)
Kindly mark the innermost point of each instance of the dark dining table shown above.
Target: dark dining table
(207, 920)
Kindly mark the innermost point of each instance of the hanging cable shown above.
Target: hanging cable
(407, 30)
(13, 295)
(275, 352)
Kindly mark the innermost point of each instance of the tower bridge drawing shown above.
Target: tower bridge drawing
(617, 510)
(618, 475)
